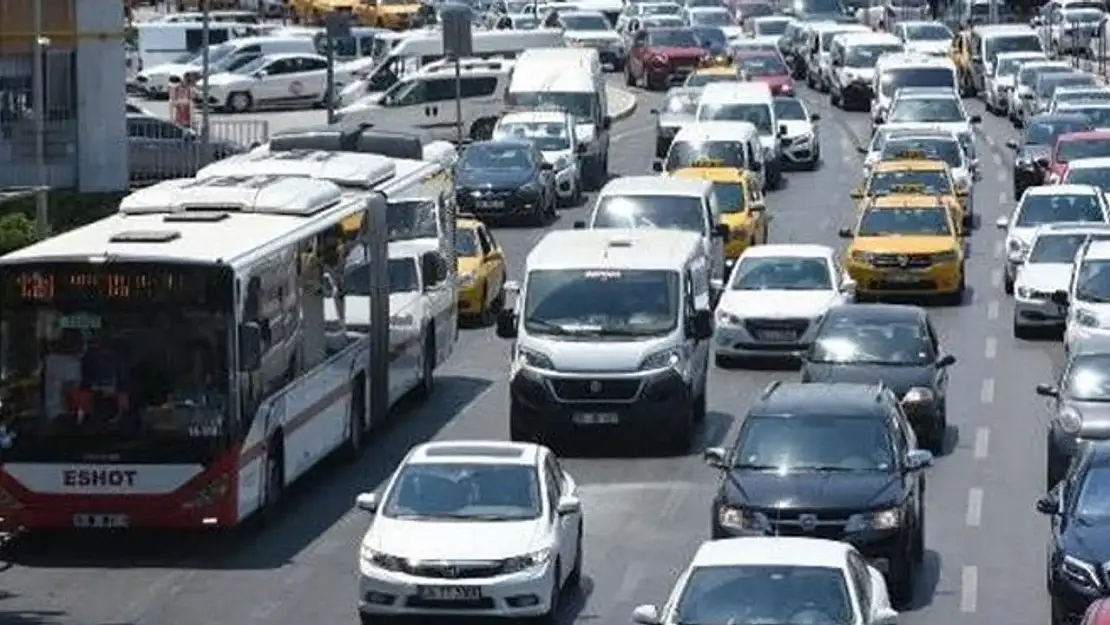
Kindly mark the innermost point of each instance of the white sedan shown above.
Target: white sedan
(471, 528)
(274, 80)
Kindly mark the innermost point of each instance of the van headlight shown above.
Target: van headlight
(1087, 319)
(532, 358)
(670, 357)
(741, 520)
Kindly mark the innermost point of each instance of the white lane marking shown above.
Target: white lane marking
(991, 348)
(1001, 177)
(998, 246)
(992, 310)
(1002, 198)
(986, 393)
(969, 589)
(997, 158)
(974, 507)
(982, 443)
(996, 278)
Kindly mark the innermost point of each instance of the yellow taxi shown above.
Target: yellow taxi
(741, 204)
(715, 69)
(917, 176)
(482, 270)
(905, 245)
(397, 14)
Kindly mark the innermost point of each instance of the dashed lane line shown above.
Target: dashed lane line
(982, 443)
(991, 348)
(992, 309)
(986, 393)
(969, 589)
(974, 507)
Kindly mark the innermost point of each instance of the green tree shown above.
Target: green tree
(16, 231)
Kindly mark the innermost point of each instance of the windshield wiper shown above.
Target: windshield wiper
(755, 466)
(1094, 299)
(546, 326)
(825, 468)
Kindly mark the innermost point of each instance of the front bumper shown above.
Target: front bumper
(390, 593)
(551, 403)
(800, 150)
(1037, 312)
(496, 203)
(1070, 599)
(664, 136)
(937, 279)
(857, 92)
(668, 75)
(470, 298)
(762, 337)
(882, 548)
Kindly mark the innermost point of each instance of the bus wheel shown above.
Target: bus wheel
(275, 481)
(357, 419)
(427, 364)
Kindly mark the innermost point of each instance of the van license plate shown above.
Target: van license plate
(596, 418)
(449, 593)
(490, 203)
(778, 336)
(101, 521)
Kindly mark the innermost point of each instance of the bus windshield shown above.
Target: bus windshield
(122, 362)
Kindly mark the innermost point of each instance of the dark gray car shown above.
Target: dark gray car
(158, 149)
(678, 109)
(1080, 408)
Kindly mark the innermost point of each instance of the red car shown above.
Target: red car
(1075, 145)
(661, 57)
(1098, 613)
(768, 67)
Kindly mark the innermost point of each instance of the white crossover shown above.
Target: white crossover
(923, 37)
(776, 579)
(801, 146)
(774, 300)
(553, 132)
(998, 88)
(1088, 297)
(471, 528)
(1046, 272)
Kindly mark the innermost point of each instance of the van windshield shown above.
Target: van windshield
(580, 105)
(601, 302)
(664, 212)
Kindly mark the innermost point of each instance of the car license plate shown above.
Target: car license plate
(101, 521)
(596, 418)
(779, 336)
(901, 278)
(449, 593)
(490, 203)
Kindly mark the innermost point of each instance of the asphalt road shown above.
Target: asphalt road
(644, 517)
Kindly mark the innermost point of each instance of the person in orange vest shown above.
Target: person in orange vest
(181, 100)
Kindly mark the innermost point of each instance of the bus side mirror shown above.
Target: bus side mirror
(250, 346)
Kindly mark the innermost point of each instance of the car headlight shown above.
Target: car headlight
(804, 138)
(1079, 571)
(670, 357)
(890, 518)
(741, 520)
(950, 256)
(529, 190)
(918, 395)
(467, 280)
(383, 560)
(1069, 420)
(529, 560)
(1016, 250)
(1087, 319)
(532, 358)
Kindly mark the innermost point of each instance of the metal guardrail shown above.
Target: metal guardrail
(159, 150)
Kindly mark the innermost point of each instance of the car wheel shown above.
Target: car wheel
(629, 79)
(487, 315)
(575, 576)
(1020, 332)
(239, 102)
(427, 365)
(902, 580)
(1007, 285)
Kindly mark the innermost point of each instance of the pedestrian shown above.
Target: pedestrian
(181, 100)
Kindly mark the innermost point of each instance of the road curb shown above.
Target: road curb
(624, 110)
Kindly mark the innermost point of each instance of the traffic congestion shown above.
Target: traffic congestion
(721, 315)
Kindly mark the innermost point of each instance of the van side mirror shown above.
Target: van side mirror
(250, 346)
(506, 324)
(606, 123)
(1060, 298)
(714, 457)
(700, 325)
(783, 131)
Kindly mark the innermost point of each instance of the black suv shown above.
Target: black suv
(834, 461)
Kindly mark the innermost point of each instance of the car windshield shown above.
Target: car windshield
(867, 56)
(548, 136)
(666, 21)
(756, 9)
(1045, 132)
(466, 242)
(403, 277)
(730, 197)
(496, 156)
(525, 22)
(710, 37)
(813, 442)
(703, 79)
(580, 105)
(685, 154)
(1093, 282)
(928, 32)
(1036, 210)
(1009, 66)
(781, 273)
(253, 66)
(885, 222)
(1081, 95)
(1098, 116)
(715, 595)
(442, 491)
(1055, 248)
(1074, 149)
(895, 79)
(583, 22)
(1094, 495)
(1088, 378)
(660, 9)
(927, 110)
(1011, 43)
(1047, 86)
(672, 38)
(668, 212)
(848, 339)
(1085, 15)
(763, 65)
(681, 104)
(790, 109)
(770, 28)
(710, 18)
(1028, 75)
(934, 149)
(918, 182)
(757, 114)
(601, 302)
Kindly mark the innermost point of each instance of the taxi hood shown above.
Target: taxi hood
(903, 244)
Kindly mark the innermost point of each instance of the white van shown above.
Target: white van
(571, 79)
(225, 57)
(910, 69)
(668, 204)
(426, 46)
(750, 102)
(715, 144)
(362, 41)
(853, 57)
(611, 331)
(179, 42)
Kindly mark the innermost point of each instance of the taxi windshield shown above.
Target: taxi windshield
(918, 182)
(1074, 149)
(706, 154)
(884, 222)
(466, 242)
(730, 197)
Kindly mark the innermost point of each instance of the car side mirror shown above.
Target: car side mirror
(701, 325)
(367, 502)
(250, 346)
(657, 166)
(568, 504)
(783, 130)
(856, 193)
(260, 74)
(918, 459)
(645, 615)
(815, 117)
(546, 166)
(845, 233)
(884, 616)
(721, 231)
(1047, 390)
(579, 225)
(1002, 223)
(606, 123)
(848, 286)
(1049, 504)
(714, 457)
(946, 360)
(1061, 298)
(1042, 161)
(862, 149)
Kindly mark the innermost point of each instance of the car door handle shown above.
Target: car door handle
(431, 110)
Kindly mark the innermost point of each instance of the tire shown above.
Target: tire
(239, 102)
(678, 442)
(518, 431)
(575, 576)
(629, 81)
(487, 315)
(357, 421)
(427, 365)
(274, 492)
(1020, 332)
(937, 435)
(1007, 284)
(902, 580)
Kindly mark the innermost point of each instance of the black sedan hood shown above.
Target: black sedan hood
(899, 379)
(816, 491)
(493, 178)
(1030, 153)
(1088, 541)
